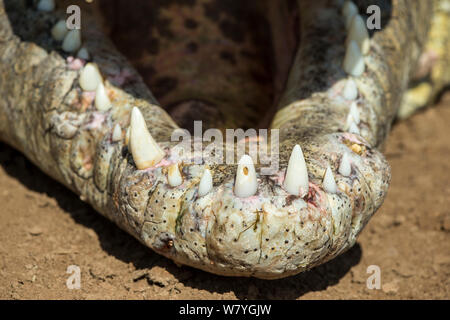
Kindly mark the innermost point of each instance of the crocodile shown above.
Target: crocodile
(96, 108)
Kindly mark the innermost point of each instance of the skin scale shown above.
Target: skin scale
(45, 115)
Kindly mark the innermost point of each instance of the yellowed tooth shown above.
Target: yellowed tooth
(72, 41)
(349, 9)
(358, 32)
(174, 175)
(102, 102)
(146, 152)
(117, 133)
(206, 183)
(46, 5)
(296, 181)
(246, 183)
(59, 30)
(90, 77)
(127, 136)
(329, 184)
(354, 60)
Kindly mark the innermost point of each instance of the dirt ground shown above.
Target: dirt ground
(44, 228)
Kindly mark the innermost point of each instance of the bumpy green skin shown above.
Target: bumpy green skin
(270, 235)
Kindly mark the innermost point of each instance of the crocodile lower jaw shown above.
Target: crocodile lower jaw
(337, 106)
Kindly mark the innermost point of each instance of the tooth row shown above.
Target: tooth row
(357, 43)
(296, 179)
(91, 80)
(146, 153)
(357, 46)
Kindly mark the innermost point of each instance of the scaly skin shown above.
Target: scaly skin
(45, 115)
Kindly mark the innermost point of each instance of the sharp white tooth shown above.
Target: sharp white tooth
(146, 152)
(344, 167)
(72, 41)
(354, 112)
(90, 77)
(353, 128)
(206, 183)
(59, 30)
(358, 32)
(83, 53)
(329, 184)
(296, 181)
(117, 133)
(174, 175)
(102, 102)
(246, 183)
(354, 60)
(348, 11)
(46, 5)
(350, 91)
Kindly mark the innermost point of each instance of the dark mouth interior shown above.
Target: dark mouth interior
(224, 62)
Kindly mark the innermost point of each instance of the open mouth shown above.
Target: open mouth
(96, 109)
